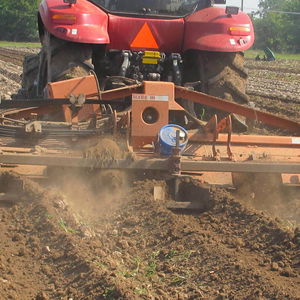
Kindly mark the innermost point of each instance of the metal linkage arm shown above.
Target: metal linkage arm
(231, 107)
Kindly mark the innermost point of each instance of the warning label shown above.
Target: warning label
(296, 141)
(143, 97)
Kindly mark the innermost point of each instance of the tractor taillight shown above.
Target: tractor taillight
(64, 19)
(239, 30)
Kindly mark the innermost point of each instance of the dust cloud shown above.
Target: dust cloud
(265, 192)
(93, 193)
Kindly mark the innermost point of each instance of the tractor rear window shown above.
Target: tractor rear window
(153, 7)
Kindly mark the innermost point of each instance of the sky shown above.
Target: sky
(249, 5)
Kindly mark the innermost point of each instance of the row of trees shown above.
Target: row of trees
(274, 29)
(277, 25)
(18, 20)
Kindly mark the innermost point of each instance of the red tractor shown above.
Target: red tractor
(193, 43)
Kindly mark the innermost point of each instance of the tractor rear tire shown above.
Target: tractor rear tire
(29, 76)
(225, 75)
(222, 75)
(67, 60)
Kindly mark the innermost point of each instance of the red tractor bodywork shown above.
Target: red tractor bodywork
(208, 29)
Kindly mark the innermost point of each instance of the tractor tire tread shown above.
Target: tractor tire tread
(231, 79)
(242, 97)
(29, 75)
(224, 76)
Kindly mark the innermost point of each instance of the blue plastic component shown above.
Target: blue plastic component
(167, 138)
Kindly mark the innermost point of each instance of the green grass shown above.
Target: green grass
(253, 53)
(151, 268)
(140, 291)
(64, 226)
(19, 44)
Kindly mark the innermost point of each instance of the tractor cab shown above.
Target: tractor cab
(153, 7)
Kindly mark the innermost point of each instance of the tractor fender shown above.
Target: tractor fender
(211, 29)
(82, 22)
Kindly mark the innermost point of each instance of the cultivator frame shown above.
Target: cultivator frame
(211, 148)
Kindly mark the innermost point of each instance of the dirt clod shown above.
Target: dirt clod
(106, 151)
(41, 296)
(274, 266)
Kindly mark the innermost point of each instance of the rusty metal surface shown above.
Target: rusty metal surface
(120, 92)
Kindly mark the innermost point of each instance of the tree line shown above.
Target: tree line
(273, 28)
(18, 20)
(277, 25)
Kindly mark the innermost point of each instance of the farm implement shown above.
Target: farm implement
(159, 134)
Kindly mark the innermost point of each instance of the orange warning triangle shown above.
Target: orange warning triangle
(144, 39)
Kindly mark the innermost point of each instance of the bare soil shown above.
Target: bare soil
(141, 250)
(275, 86)
(66, 240)
(11, 67)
